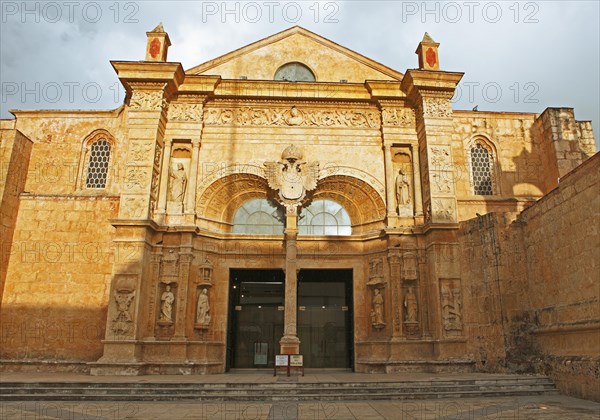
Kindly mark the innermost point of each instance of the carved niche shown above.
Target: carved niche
(203, 287)
(451, 307)
(179, 167)
(403, 181)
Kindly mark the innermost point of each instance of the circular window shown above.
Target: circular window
(294, 72)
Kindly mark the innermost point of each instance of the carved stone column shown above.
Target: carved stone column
(190, 207)
(290, 344)
(389, 181)
(432, 91)
(185, 260)
(164, 178)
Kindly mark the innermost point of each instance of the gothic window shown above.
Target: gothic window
(324, 217)
(294, 72)
(258, 216)
(97, 164)
(482, 169)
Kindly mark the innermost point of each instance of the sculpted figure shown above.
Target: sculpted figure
(295, 118)
(166, 309)
(402, 188)
(202, 308)
(410, 303)
(377, 314)
(178, 183)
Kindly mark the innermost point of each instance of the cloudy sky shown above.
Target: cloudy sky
(517, 56)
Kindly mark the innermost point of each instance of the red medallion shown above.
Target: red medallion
(154, 47)
(430, 57)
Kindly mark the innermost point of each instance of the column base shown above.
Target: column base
(289, 344)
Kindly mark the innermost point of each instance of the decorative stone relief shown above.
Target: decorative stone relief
(178, 181)
(291, 117)
(292, 177)
(444, 210)
(437, 108)
(441, 183)
(147, 100)
(410, 305)
(133, 207)
(377, 313)
(169, 268)
(402, 117)
(134, 178)
(185, 112)
(375, 272)
(403, 194)
(139, 151)
(440, 158)
(451, 302)
(124, 293)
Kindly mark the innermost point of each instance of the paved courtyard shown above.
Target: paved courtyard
(549, 407)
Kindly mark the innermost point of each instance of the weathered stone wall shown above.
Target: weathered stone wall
(15, 150)
(58, 279)
(57, 250)
(563, 257)
(535, 281)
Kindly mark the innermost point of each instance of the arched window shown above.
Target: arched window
(482, 166)
(294, 72)
(324, 217)
(258, 216)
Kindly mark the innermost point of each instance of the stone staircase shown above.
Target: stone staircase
(277, 391)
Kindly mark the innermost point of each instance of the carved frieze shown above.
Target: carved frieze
(134, 207)
(292, 117)
(134, 178)
(444, 210)
(440, 158)
(436, 108)
(185, 112)
(401, 117)
(451, 306)
(139, 151)
(145, 100)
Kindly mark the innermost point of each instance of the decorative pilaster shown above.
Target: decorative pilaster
(164, 179)
(389, 180)
(190, 208)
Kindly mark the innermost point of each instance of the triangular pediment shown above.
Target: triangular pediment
(330, 62)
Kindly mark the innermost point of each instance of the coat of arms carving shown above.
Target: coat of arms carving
(292, 176)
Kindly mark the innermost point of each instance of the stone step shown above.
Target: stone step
(273, 391)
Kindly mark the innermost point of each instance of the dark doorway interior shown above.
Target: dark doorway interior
(256, 317)
(325, 325)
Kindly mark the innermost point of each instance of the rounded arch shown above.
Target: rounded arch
(97, 160)
(217, 204)
(485, 149)
(362, 202)
(295, 71)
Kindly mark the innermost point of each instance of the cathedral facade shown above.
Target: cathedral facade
(296, 197)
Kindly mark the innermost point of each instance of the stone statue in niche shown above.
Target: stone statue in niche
(202, 308)
(410, 304)
(377, 309)
(451, 309)
(402, 189)
(166, 308)
(122, 322)
(178, 184)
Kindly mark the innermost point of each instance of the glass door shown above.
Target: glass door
(256, 317)
(325, 318)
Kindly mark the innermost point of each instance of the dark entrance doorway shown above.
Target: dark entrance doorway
(325, 325)
(256, 308)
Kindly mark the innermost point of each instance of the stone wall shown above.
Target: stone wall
(58, 279)
(535, 278)
(15, 150)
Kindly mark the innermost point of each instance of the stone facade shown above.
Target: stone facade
(119, 227)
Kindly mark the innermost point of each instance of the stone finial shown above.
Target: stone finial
(158, 44)
(428, 53)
